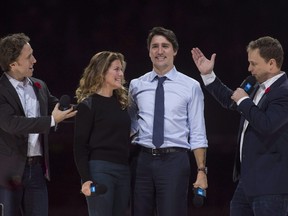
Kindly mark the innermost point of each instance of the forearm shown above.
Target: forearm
(200, 157)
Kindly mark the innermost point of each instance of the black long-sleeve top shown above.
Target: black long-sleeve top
(102, 131)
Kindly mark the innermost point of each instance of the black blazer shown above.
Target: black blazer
(264, 166)
(15, 127)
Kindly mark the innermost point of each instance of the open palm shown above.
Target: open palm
(204, 65)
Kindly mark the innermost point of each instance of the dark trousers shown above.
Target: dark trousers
(160, 184)
(264, 205)
(116, 177)
(31, 198)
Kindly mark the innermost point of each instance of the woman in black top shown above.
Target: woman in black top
(102, 130)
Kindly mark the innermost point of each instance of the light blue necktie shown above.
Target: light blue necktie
(158, 124)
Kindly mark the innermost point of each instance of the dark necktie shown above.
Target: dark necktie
(158, 124)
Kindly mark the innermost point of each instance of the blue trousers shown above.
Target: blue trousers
(31, 199)
(265, 205)
(116, 177)
(160, 184)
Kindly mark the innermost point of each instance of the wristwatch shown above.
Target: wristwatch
(203, 169)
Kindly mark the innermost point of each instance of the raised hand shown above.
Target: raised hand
(204, 65)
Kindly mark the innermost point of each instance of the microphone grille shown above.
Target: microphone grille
(64, 102)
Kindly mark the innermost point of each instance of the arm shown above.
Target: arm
(205, 66)
(82, 133)
(132, 111)
(198, 139)
(271, 116)
(13, 120)
(200, 157)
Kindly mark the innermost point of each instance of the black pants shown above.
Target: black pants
(160, 184)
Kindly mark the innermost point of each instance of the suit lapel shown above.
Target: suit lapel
(36, 86)
(276, 84)
(13, 95)
(263, 98)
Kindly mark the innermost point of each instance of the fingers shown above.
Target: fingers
(213, 56)
(59, 115)
(69, 113)
(196, 53)
(201, 181)
(86, 188)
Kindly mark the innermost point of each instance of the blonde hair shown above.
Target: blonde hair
(93, 77)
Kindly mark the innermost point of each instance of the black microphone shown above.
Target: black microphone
(64, 102)
(199, 197)
(248, 85)
(97, 189)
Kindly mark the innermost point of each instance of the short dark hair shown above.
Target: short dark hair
(269, 48)
(168, 34)
(10, 49)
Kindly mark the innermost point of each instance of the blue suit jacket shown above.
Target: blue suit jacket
(15, 127)
(264, 166)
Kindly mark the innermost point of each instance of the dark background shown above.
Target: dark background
(66, 34)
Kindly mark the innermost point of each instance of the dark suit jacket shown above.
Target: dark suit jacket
(15, 127)
(264, 166)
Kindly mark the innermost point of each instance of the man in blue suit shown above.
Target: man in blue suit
(261, 164)
(27, 112)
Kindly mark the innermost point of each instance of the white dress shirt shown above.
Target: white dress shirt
(31, 108)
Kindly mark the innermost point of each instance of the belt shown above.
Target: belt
(34, 160)
(161, 151)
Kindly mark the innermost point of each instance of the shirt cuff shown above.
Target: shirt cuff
(208, 78)
(52, 121)
(243, 98)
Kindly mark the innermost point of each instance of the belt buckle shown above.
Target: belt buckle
(29, 160)
(154, 152)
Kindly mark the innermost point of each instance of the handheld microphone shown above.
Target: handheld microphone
(199, 197)
(64, 102)
(97, 189)
(248, 86)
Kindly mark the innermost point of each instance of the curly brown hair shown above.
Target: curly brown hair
(94, 76)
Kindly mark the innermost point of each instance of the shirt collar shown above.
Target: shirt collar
(270, 81)
(15, 82)
(170, 74)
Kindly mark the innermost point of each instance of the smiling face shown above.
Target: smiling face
(23, 66)
(114, 76)
(162, 54)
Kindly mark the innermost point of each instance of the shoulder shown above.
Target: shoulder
(187, 80)
(87, 102)
(143, 78)
(280, 87)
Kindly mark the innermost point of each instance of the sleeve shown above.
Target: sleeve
(13, 120)
(196, 119)
(133, 110)
(221, 93)
(271, 116)
(83, 127)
